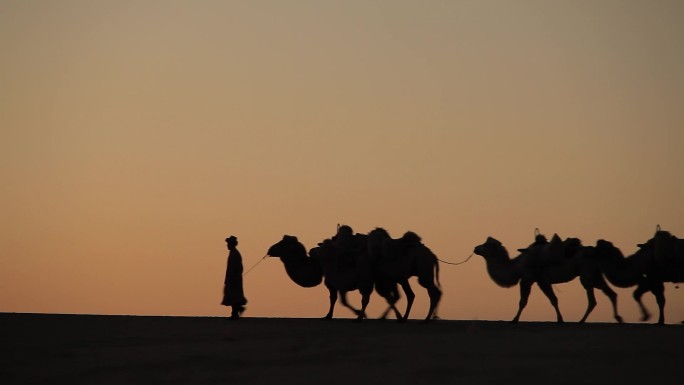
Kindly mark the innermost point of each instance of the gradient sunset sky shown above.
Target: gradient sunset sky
(137, 135)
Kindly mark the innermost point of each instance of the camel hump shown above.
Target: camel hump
(603, 243)
(573, 242)
(606, 248)
(572, 246)
(666, 247)
(379, 232)
(539, 240)
(546, 254)
(410, 237)
(326, 242)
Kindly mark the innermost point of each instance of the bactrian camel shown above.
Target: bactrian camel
(546, 264)
(397, 260)
(309, 271)
(659, 260)
(342, 273)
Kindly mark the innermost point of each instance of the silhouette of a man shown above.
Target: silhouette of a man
(233, 294)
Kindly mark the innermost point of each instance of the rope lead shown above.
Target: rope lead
(457, 263)
(255, 265)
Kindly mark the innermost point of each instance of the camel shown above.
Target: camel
(659, 260)
(396, 260)
(327, 262)
(625, 272)
(546, 264)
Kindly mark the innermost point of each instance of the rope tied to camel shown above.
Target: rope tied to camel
(456, 263)
(255, 265)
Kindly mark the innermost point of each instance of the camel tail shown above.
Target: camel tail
(439, 286)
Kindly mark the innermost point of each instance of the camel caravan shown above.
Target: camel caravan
(351, 261)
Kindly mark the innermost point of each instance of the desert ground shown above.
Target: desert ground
(73, 349)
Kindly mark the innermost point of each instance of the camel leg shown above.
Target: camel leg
(612, 295)
(548, 291)
(525, 289)
(434, 312)
(591, 302)
(385, 313)
(365, 299)
(393, 308)
(343, 300)
(333, 299)
(392, 297)
(434, 293)
(658, 291)
(391, 301)
(410, 296)
(638, 293)
(395, 298)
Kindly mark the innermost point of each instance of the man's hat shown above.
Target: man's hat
(232, 238)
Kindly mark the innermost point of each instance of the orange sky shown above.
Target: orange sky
(137, 135)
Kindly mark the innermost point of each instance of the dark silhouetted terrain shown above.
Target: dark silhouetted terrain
(71, 349)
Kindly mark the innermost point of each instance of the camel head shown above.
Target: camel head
(302, 270)
(499, 265)
(288, 246)
(491, 248)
